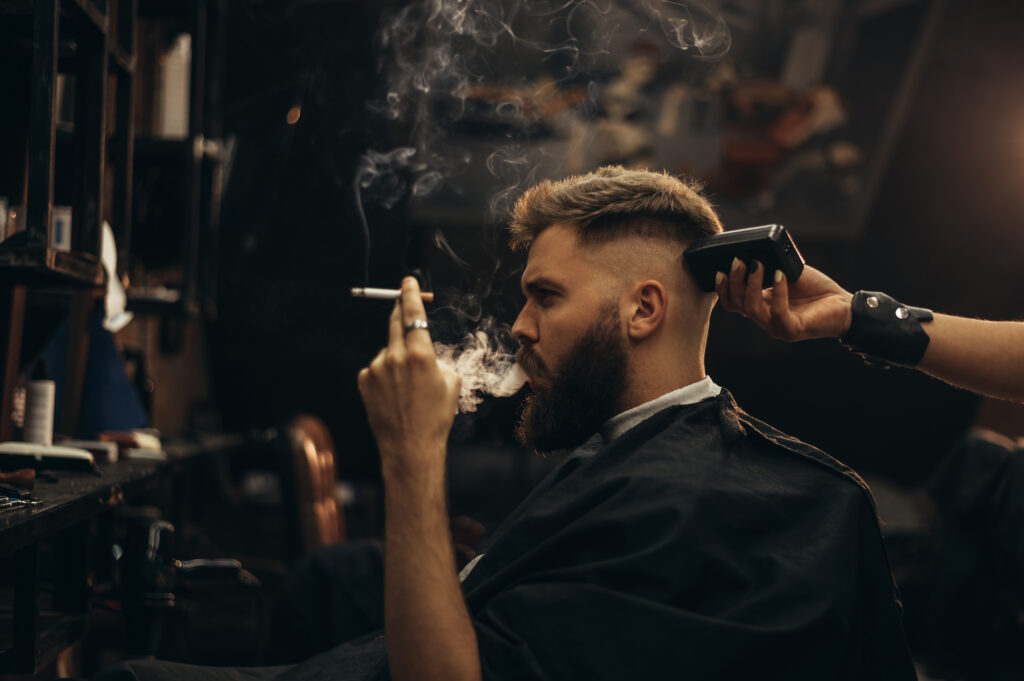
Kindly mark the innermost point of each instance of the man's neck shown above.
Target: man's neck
(668, 360)
(657, 381)
(688, 394)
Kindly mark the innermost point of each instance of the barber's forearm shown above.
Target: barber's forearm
(430, 634)
(983, 356)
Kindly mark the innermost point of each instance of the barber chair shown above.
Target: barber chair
(308, 471)
(274, 501)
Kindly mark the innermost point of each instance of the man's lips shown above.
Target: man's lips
(535, 382)
(533, 367)
(530, 380)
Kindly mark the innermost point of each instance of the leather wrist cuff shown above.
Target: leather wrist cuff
(887, 330)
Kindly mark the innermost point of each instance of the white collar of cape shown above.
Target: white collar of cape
(617, 425)
(690, 394)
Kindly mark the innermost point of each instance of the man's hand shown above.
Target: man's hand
(815, 306)
(411, 402)
(410, 399)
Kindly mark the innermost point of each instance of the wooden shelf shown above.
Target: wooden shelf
(33, 267)
(80, 17)
(159, 300)
(120, 59)
(89, 11)
(187, 149)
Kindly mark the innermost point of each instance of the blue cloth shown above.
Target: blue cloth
(109, 401)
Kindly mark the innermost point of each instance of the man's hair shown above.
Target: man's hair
(613, 202)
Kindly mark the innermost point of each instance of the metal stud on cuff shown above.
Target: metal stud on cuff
(884, 329)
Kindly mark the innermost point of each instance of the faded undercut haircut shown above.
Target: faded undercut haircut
(613, 202)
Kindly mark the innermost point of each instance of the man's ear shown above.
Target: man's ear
(648, 311)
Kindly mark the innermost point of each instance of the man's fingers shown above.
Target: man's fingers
(396, 332)
(413, 311)
(367, 374)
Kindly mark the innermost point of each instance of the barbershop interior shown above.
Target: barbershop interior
(191, 191)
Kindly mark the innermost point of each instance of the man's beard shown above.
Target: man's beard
(567, 407)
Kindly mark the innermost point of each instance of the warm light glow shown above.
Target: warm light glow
(293, 115)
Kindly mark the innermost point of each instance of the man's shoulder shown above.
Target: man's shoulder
(719, 438)
(763, 434)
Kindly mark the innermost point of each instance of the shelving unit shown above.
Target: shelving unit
(87, 161)
(196, 159)
(72, 33)
(92, 43)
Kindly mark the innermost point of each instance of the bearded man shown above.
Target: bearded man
(680, 538)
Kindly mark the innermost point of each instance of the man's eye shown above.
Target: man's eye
(546, 296)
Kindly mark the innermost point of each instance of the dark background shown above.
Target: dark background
(945, 230)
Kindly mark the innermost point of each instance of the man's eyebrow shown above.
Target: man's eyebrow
(536, 284)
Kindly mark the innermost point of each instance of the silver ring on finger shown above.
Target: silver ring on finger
(417, 324)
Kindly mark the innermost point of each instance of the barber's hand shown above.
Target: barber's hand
(813, 306)
(410, 399)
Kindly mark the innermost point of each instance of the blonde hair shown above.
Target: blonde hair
(613, 202)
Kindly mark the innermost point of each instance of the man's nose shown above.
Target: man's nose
(524, 330)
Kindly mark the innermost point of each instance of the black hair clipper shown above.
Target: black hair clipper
(771, 245)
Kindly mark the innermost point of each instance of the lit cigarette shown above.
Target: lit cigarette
(386, 294)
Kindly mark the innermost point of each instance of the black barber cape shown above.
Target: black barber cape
(701, 544)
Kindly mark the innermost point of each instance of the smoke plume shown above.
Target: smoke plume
(435, 54)
(513, 67)
(485, 369)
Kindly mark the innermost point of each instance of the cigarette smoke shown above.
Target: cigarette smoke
(515, 168)
(450, 63)
(485, 369)
(434, 53)
(483, 350)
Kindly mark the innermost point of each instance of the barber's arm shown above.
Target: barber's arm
(411, 403)
(983, 356)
